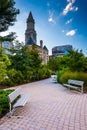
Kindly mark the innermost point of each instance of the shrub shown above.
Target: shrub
(60, 73)
(68, 75)
(44, 73)
(14, 77)
(74, 75)
(4, 103)
(31, 75)
(8, 82)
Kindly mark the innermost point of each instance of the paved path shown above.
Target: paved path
(51, 107)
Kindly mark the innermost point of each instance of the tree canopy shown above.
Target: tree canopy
(7, 14)
(74, 60)
(4, 63)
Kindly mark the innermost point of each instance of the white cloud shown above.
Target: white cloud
(71, 33)
(76, 9)
(69, 21)
(69, 7)
(72, 1)
(51, 19)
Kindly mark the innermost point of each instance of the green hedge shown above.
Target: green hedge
(74, 75)
(44, 73)
(60, 73)
(15, 77)
(4, 103)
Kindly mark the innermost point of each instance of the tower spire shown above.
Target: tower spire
(30, 18)
(30, 33)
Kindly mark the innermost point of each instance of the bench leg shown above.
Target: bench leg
(10, 114)
(69, 88)
(82, 89)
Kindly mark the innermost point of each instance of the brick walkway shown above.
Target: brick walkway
(51, 107)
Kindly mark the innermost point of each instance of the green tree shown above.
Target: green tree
(35, 60)
(4, 63)
(10, 37)
(53, 64)
(35, 63)
(74, 60)
(85, 64)
(7, 14)
(63, 62)
(25, 60)
(20, 57)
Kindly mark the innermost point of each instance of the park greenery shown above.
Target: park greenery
(4, 103)
(22, 65)
(70, 66)
(8, 14)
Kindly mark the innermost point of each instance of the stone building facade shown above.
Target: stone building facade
(31, 39)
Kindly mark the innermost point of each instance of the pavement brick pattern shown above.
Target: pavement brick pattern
(50, 107)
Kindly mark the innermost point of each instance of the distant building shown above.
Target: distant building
(31, 39)
(61, 50)
(6, 45)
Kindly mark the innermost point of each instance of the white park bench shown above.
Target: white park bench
(75, 84)
(21, 101)
(54, 78)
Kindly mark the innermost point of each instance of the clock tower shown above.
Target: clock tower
(30, 33)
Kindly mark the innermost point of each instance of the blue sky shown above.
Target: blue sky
(57, 22)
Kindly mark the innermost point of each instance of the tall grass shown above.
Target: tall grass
(63, 78)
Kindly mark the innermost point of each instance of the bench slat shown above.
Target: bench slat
(71, 86)
(22, 101)
(75, 84)
(12, 96)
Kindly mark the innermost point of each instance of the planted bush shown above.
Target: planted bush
(4, 103)
(44, 72)
(60, 73)
(14, 78)
(74, 75)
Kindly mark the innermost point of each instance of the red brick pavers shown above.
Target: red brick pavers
(50, 107)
